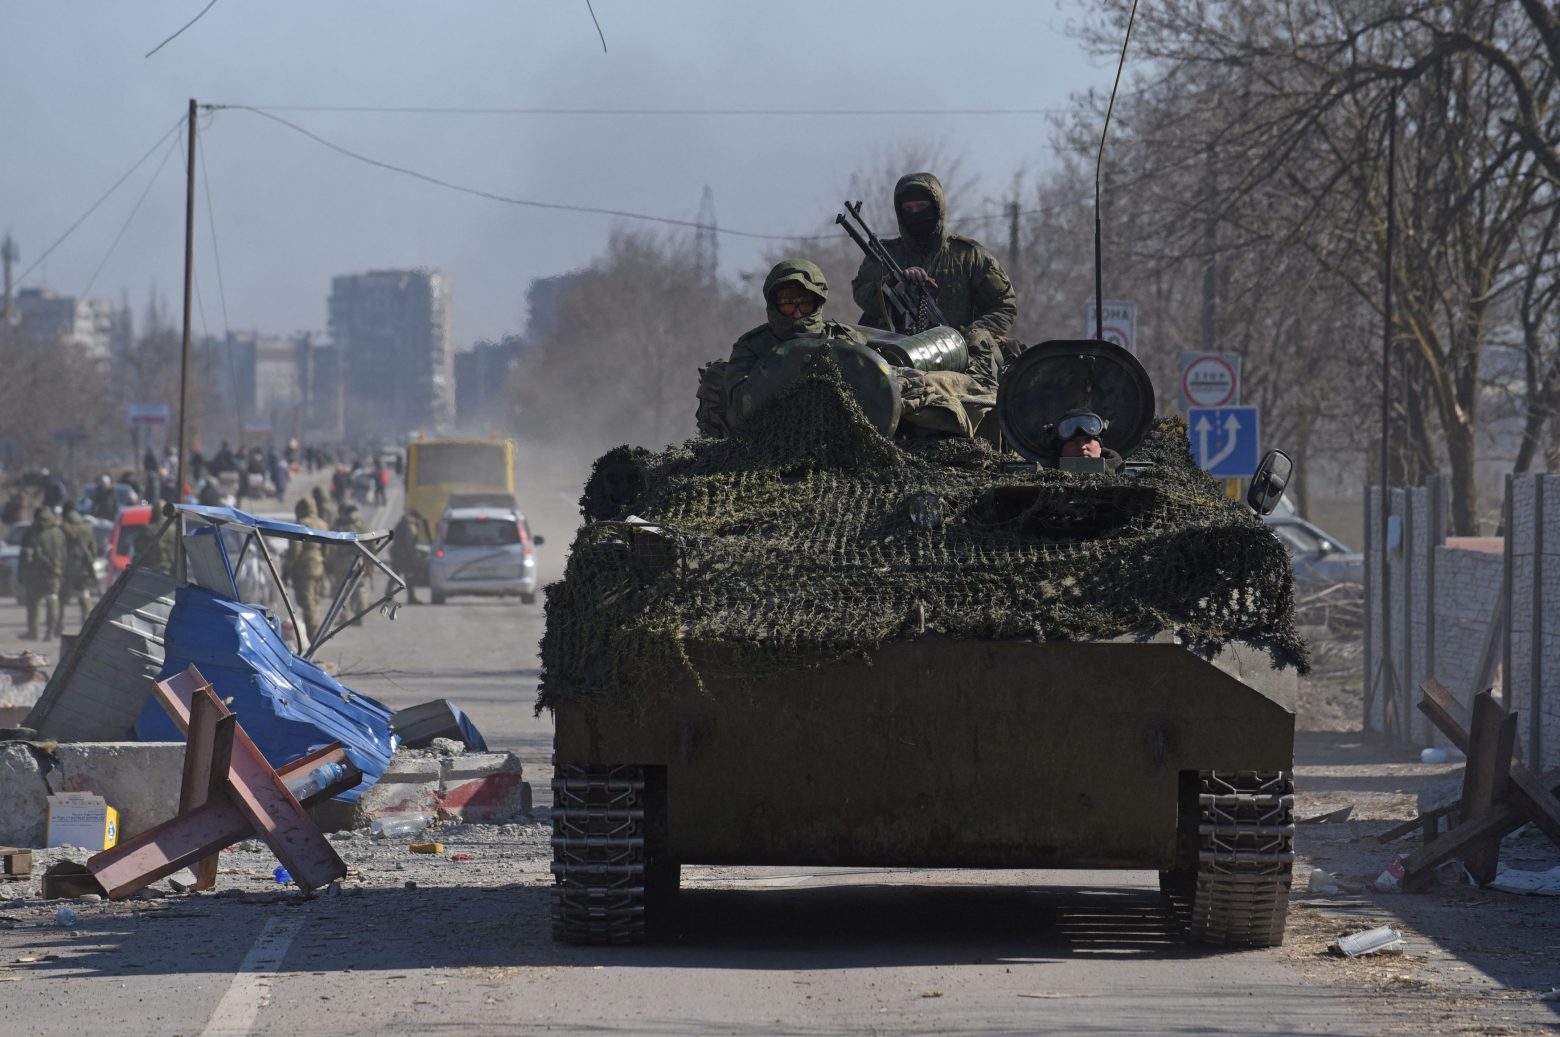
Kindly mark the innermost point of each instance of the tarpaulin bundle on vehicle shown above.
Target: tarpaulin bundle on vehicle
(810, 537)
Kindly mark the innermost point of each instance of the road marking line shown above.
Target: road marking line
(250, 990)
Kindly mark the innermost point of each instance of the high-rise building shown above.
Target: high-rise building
(393, 331)
(44, 318)
(281, 386)
(482, 377)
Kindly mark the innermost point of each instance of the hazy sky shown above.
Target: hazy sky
(79, 102)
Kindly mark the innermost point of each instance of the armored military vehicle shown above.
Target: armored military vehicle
(809, 643)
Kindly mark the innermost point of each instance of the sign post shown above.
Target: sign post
(1226, 441)
(1119, 326)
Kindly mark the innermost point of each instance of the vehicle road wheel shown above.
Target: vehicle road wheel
(528, 599)
(1236, 833)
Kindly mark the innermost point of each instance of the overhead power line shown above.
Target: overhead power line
(710, 112)
(556, 206)
(150, 183)
(101, 199)
(597, 23)
(181, 29)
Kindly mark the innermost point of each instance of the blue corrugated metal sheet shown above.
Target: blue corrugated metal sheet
(287, 704)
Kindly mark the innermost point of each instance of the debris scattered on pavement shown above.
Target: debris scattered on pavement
(418, 726)
(15, 862)
(1381, 939)
(1530, 883)
(66, 879)
(1318, 881)
(1332, 817)
(427, 847)
(1391, 879)
(65, 917)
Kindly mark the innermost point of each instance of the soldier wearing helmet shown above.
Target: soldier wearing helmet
(794, 294)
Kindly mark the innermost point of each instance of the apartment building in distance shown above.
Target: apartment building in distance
(392, 328)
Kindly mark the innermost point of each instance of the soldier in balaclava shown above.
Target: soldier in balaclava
(967, 282)
(794, 294)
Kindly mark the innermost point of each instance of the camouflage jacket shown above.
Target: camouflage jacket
(753, 346)
(80, 549)
(43, 549)
(972, 291)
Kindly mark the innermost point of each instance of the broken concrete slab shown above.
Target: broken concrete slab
(485, 788)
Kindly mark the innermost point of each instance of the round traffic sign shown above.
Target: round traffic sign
(1209, 381)
(1119, 336)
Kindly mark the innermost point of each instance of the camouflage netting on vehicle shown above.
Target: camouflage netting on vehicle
(810, 537)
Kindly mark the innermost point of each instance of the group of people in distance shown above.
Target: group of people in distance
(969, 286)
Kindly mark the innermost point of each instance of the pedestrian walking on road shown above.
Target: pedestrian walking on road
(381, 482)
(305, 570)
(341, 562)
(80, 576)
(43, 566)
(403, 551)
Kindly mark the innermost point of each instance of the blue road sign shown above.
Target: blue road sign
(1226, 441)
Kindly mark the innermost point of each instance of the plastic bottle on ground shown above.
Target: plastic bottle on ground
(398, 824)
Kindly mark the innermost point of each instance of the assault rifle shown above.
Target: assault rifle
(911, 308)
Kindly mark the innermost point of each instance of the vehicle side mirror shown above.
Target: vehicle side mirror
(1270, 481)
(538, 539)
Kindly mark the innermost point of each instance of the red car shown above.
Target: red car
(121, 543)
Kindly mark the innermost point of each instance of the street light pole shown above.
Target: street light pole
(184, 349)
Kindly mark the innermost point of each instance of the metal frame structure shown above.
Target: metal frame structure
(254, 531)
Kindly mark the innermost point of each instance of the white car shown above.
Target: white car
(483, 551)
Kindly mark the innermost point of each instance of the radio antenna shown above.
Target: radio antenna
(1099, 161)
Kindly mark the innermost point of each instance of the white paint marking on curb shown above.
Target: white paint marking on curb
(250, 990)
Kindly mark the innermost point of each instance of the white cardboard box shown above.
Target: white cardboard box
(82, 819)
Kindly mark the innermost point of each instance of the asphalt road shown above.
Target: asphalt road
(751, 951)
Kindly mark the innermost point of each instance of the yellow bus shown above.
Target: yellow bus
(474, 471)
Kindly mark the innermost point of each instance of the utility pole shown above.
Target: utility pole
(8, 256)
(706, 246)
(1012, 215)
(184, 348)
(1391, 718)
(1210, 286)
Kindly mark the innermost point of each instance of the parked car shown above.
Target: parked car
(121, 542)
(11, 559)
(1319, 559)
(483, 551)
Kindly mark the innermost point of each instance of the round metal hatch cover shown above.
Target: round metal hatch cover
(1052, 378)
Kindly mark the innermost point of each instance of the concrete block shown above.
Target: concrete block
(139, 779)
(485, 788)
(24, 798)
